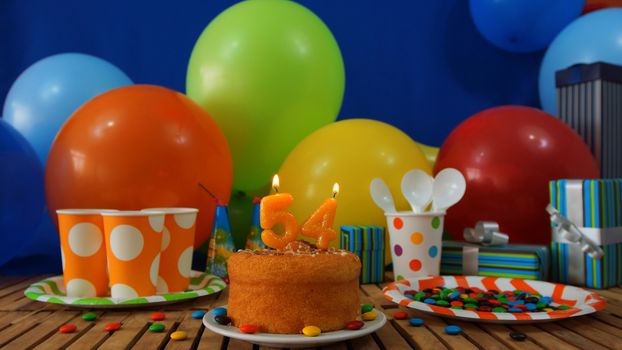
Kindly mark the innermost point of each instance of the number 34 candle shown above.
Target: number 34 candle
(319, 225)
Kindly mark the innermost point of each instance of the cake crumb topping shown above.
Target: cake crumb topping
(297, 248)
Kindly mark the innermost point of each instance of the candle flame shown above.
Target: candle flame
(275, 183)
(335, 190)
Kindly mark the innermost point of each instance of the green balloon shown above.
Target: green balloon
(269, 72)
(240, 217)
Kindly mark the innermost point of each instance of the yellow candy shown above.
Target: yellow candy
(548, 309)
(179, 335)
(368, 316)
(311, 331)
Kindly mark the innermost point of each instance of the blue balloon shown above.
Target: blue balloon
(594, 37)
(523, 25)
(48, 92)
(22, 199)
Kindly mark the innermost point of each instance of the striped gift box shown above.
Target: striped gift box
(595, 206)
(512, 261)
(589, 100)
(367, 242)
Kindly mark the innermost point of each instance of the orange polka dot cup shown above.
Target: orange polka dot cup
(177, 247)
(133, 244)
(415, 241)
(83, 251)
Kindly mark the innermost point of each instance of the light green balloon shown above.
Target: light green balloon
(269, 72)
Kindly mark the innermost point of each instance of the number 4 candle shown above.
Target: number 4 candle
(320, 223)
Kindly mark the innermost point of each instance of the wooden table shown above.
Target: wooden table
(26, 324)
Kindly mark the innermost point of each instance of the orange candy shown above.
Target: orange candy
(248, 328)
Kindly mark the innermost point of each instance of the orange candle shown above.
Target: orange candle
(320, 223)
(271, 212)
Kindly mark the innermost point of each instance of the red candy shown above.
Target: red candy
(68, 328)
(248, 328)
(402, 315)
(112, 326)
(355, 325)
(456, 303)
(157, 316)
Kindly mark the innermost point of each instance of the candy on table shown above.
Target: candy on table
(198, 314)
(366, 308)
(89, 316)
(475, 299)
(416, 322)
(219, 311)
(401, 315)
(354, 325)
(248, 328)
(518, 336)
(68, 328)
(453, 330)
(112, 326)
(179, 335)
(157, 327)
(311, 331)
(369, 316)
(157, 316)
(222, 319)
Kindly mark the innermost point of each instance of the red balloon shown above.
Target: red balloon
(138, 147)
(508, 155)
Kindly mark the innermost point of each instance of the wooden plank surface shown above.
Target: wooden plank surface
(25, 324)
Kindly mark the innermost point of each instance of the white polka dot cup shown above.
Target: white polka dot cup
(415, 243)
(83, 250)
(177, 247)
(133, 244)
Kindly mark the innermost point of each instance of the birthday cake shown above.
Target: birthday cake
(283, 291)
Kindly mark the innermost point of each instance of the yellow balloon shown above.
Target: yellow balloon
(430, 152)
(350, 152)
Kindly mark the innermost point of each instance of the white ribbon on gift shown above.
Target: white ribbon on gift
(484, 233)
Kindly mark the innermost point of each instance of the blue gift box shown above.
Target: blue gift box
(367, 242)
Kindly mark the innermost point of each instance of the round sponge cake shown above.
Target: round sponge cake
(285, 291)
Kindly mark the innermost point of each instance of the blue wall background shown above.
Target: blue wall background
(419, 65)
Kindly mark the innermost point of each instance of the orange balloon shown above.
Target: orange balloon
(138, 147)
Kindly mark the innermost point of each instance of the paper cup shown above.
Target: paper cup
(83, 251)
(177, 248)
(415, 243)
(133, 243)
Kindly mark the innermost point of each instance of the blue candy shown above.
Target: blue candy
(416, 322)
(454, 295)
(198, 314)
(219, 311)
(430, 301)
(514, 309)
(453, 330)
(519, 302)
(531, 307)
(546, 300)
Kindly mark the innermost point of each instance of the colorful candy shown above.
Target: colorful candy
(475, 299)
(179, 335)
(219, 311)
(401, 315)
(112, 326)
(222, 319)
(311, 331)
(366, 308)
(89, 316)
(157, 327)
(416, 322)
(198, 314)
(518, 336)
(453, 330)
(248, 328)
(68, 328)
(354, 325)
(157, 316)
(369, 316)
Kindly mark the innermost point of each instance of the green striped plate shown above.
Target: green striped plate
(52, 290)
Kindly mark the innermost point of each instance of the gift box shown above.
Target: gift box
(594, 209)
(367, 242)
(589, 100)
(510, 260)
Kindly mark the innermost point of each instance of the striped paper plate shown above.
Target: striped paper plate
(52, 290)
(581, 301)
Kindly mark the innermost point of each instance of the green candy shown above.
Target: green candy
(456, 307)
(442, 303)
(470, 306)
(470, 301)
(541, 305)
(157, 327)
(435, 296)
(367, 308)
(89, 316)
(499, 309)
(563, 307)
(419, 296)
(480, 295)
(517, 292)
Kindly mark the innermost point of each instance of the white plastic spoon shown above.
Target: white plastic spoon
(381, 195)
(449, 187)
(417, 189)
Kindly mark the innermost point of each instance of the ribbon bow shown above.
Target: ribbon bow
(485, 233)
(571, 232)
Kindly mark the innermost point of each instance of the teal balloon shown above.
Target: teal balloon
(269, 72)
(594, 37)
(46, 94)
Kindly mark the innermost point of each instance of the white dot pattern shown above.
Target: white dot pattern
(166, 239)
(153, 271)
(185, 220)
(162, 286)
(185, 262)
(126, 242)
(80, 288)
(156, 222)
(121, 290)
(85, 239)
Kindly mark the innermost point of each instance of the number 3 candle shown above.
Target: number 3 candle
(272, 212)
(320, 223)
